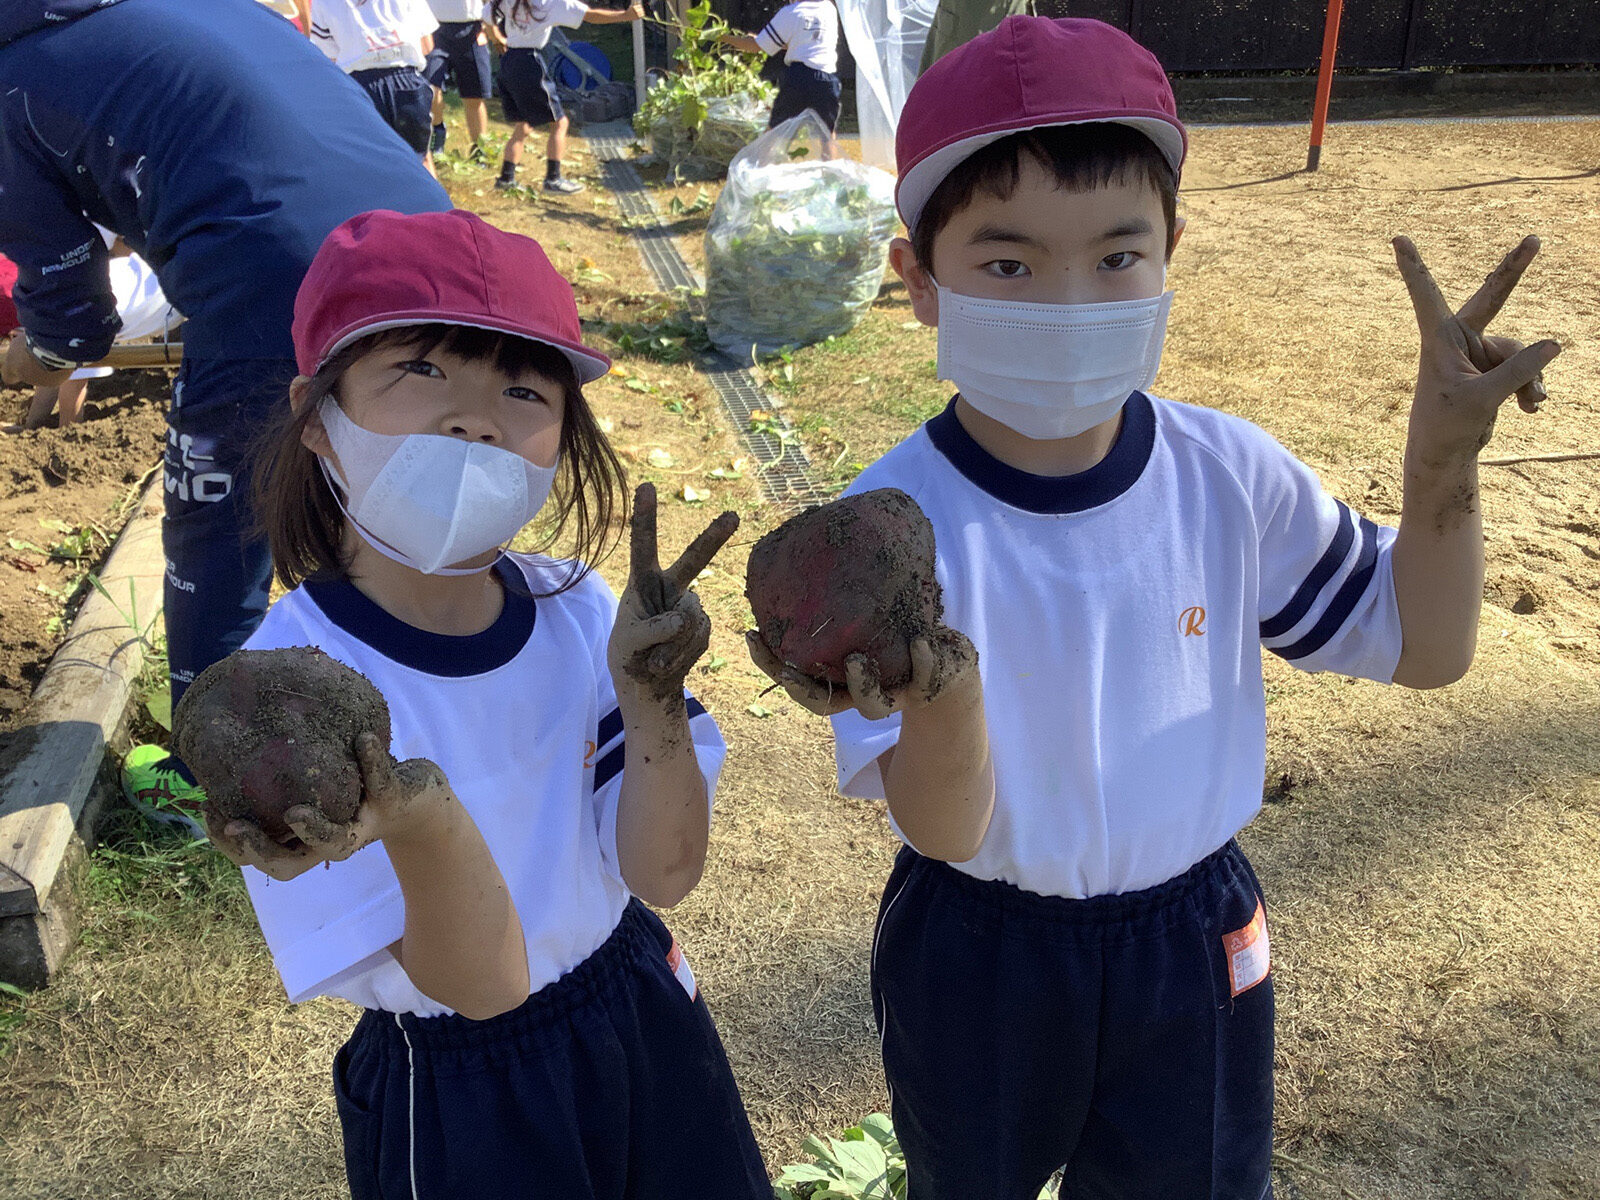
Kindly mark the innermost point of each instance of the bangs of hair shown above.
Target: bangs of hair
(300, 516)
(1079, 158)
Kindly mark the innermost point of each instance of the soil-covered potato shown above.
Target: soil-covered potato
(852, 576)
(264, 730)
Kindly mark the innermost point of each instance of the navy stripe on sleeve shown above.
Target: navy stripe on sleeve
(1344, 602)
(612, 762)
(610, 726)
(772, 33)
(1300, 603)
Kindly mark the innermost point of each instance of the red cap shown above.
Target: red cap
(384, 269)
(8, 307)
(1028, 73)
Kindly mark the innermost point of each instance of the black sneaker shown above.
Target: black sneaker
(436, 143)
(563, 185)
(475, 155)
(505, 183)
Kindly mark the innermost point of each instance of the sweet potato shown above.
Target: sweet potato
(264, 730)
(856, 575)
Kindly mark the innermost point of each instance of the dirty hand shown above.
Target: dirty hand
(661, 629)
(942, 661)
(394, 795)
(635, 12)
(1464, 376)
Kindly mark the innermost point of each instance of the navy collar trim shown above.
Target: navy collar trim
(1100, 484)
(432, 653)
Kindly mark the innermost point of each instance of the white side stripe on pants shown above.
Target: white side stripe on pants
(411, 1107)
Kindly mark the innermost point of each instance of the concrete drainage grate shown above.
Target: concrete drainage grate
(785, 471)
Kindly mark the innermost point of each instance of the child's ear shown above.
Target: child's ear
(919, 283)
(1178, 224)
(312, 435)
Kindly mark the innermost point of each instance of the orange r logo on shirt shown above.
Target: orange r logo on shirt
(1192, 621)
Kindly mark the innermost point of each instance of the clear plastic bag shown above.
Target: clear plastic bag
(727, 126)
(797, 242)
(886, 39)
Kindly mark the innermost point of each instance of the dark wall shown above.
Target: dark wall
(1275, 35)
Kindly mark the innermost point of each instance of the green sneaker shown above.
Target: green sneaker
(158, 789)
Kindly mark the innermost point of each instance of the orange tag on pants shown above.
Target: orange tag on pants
(680, 968)
(1249, 953)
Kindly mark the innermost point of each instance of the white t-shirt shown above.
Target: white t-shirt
(456, 11)
(367, 35)
(523, 720)
(807, 31)
(1119, 617)
(533, 31)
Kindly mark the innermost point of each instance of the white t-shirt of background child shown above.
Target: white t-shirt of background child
(532, 32)
(1119, 617)
(807, 32)
(525, 725)
(372, 34)
(455, 12)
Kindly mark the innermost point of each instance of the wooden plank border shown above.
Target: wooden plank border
(58, 771)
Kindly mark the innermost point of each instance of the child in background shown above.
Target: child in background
(460, 53)
(1071, 967)
(143, 310)
(807, 31)
(531, 1027)
(383, 45)
(526, 91)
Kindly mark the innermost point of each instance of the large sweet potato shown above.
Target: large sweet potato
(852, 576)
(264, 730)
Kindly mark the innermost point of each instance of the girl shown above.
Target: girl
(383, 45)
(526, 91)
(531, 1028)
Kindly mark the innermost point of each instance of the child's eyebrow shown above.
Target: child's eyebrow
(1138, 227)
(997, 233)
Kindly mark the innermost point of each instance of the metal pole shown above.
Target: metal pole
(1319, 110)
(638, 64)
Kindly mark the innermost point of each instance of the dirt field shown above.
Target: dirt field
(1432, 859)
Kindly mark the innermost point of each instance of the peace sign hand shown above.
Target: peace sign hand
(661, 629)
(1464, 375)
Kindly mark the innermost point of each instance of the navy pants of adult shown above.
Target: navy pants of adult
(608, 1084)
(802, 87)
(404, 99)
(1024, 1033)
(218, 567)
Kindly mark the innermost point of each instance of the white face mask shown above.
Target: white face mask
(426, 500)
(1050, 370)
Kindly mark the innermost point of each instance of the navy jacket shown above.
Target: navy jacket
(210, 135)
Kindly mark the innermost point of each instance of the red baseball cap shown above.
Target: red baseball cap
(1028, 73)
(8, 308)
(382, 269)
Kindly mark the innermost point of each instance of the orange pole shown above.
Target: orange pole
(1319, 110)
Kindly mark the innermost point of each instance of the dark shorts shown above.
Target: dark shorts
(456, 54)
(1126, 1039)
(404, 99)
(802, 87)
(609, 1084)
(527, 92)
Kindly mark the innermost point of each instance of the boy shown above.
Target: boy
(807, 31)
(460, 52)
(1090, 987)
(526, 91)
(383, 45)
